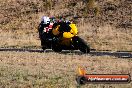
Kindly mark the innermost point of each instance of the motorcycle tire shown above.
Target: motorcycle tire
(81, 44)
(56, 48)
(44, 48)
(43, 45)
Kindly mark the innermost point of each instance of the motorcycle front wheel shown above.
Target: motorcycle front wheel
(81, 44)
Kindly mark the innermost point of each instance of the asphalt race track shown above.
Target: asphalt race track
(119, 54)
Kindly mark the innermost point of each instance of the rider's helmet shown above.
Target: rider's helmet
(45, 20)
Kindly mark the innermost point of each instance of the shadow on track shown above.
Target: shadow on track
(21, 50)
(119, 54)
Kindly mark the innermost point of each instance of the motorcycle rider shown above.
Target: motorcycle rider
(43, 24)
(44, 29)
(52, 29)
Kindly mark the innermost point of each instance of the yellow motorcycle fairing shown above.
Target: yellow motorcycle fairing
(56, 30)
(67, 36)
(66, 41)
(73, 32)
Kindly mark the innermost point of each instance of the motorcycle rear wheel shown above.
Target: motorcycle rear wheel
(44, 48)
(56, 48)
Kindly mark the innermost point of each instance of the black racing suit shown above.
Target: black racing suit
(43, 35)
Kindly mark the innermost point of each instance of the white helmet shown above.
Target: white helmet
(45, 19)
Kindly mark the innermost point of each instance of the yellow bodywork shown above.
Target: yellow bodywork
(56, 30)
(66, 41)
(67, 36)
(72, 32)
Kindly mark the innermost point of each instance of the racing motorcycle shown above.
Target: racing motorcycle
(64, 37)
